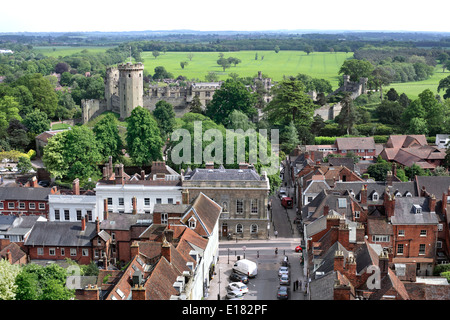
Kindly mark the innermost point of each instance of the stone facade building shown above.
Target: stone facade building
(242, 194)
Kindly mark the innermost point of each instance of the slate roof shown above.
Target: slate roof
(170, 208)
(124, 221)
(436, 185)
(222, 175)
(404, 212)
(64, 234)
(355, 143)
(25, 193)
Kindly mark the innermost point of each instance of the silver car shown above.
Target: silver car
(285, 280)
(234, 294)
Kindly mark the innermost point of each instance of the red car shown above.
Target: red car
(298, 249)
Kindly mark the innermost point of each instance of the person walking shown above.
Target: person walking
(276, 234)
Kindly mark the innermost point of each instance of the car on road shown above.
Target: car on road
(285, 280)
(283, 292)
(237, 286)
(237, 277)
(234, 294)
(282, 193)
(283, 270)
(298, 249)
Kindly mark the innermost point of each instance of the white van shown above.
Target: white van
(246, 267)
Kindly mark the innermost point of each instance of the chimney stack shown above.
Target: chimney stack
(364, 194)
(76, 187)
(119, 178)
(105, 172)
(34, 182)
(138, 292)
(209, 165)
(326, 210)
(105, 209)
(97, 225)
(134, 203)
(339, 261)
(110, 166)
(432, 203)
(165, 250)
(142, 174)
(168, 234)
(185, 196)
(134, 249)
(83, 224)
(383, 264)
(9, 256)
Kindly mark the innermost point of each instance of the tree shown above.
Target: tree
(392, 95)
(212, 77)
(8, 273)
(232, 95)
(276, 49)
(190, 55)
(37, 122)
(155, 53)
(35, 282)
(356, 69)
(234, 61)
(165, 116)
(144, 142)
(24, 165)
(224, 63)
(107, 135)
(17, 135)
(290, 103)
(348, 116)
(444, 84)
(417, 126)
(290, 137)
(413, 171)
(382, 76)
(73, 154)
(378, 171)
(62, 67)
(239, 120)
(183, 64)
(196, 105)
(390, 112)
(161, 73)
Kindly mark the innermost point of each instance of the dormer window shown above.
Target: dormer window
(408, 194)
(417, 208)
(192, 223)
(398, 195)
(375, 196)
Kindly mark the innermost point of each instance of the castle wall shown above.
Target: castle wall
(92, 108)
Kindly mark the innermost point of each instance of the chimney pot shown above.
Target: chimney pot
(76, 186)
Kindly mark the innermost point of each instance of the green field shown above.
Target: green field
(322, 65)
(413, 89)
(275, 65)
(67, 50)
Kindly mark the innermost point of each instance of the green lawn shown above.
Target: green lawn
(322, 65)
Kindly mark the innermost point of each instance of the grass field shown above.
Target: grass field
(322, 65)
(274, 65)
(413, 89)
(66, 50)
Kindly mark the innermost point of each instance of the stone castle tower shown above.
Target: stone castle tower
(131, 88)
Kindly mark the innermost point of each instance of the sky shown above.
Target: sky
(225, 15)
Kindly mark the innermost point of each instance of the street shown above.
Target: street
(262, 252)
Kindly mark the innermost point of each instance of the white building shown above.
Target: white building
(137, 194)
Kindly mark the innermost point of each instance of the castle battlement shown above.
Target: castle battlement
(131, 67)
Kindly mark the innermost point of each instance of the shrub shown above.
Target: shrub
(324, 140)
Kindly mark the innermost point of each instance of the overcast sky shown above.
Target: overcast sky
(215, 15)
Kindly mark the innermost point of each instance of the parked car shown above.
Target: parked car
(298, 249)
(282, 193)
(287, 202)
(283, 292)
(234, 294)
(237, 286)
(285, 280)
(237, 277)
(246, 267)
(283, 270)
